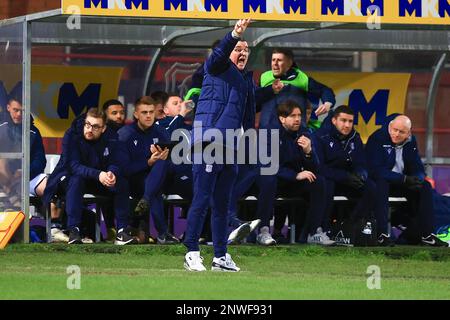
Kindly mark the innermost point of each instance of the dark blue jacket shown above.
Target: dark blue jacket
(229, 96)
(381, 156)
(11, 141)
(269, 117)
(292, 158)
(85, 158)
(137, 146)
(339, 156)
(173, 123)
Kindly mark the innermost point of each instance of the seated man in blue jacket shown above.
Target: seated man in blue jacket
(343, 163)
(91, 163)
(297, 175)
(175, 111)
(11, 141)
(298, 171)
(396, 167)
(115, 119)
(147, 164)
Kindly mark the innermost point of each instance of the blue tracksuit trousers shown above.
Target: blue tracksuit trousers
(77, 186)
(316, 192)
(267, 185)
(421, 204)
(213, 185)
(364, 197)
(150, 187)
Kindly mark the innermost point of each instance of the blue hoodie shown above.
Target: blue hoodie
(11, 141)
(339, 156)
(381, 156)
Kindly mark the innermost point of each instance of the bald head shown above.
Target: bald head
(400, 129)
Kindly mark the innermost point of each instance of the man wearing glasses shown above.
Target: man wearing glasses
(90, 163)
(227, 102)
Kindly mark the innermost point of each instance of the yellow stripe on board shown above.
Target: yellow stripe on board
(357, 11)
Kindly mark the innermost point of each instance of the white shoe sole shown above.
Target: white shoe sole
(322, 244)
(272, 243)
(186, 266)
(59, 240)
(240, 233)
(219, 269)
(254, 224)
(122, 243)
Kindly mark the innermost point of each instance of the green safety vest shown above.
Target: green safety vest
(300, 81)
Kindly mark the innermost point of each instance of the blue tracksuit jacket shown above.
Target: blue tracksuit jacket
(292, 157)
(137, 145)
(11, 141)
(381, 156)
(229, 96)
(85, 158)
(338, 156)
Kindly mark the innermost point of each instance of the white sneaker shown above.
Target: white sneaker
(87, 240)
(254, 224)
(59, 236)
(193, 261)
(240, 233)
(224, 264)
(265, 238)
(320, 238)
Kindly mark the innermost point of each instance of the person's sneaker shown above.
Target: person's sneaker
(433, 241)
(74, 236)
(320, 237)
(124, 237)
(87, 240)
(264, 238)
(385, 240)
(59, 236)
(224, 263)
(240, 233)
(254, 224)
(167, 238)
(193, 261)
(142, 208)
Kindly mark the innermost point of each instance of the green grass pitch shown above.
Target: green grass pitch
(281, 272)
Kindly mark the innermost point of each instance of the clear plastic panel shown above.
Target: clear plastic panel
(10, 117)
(67, 80)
